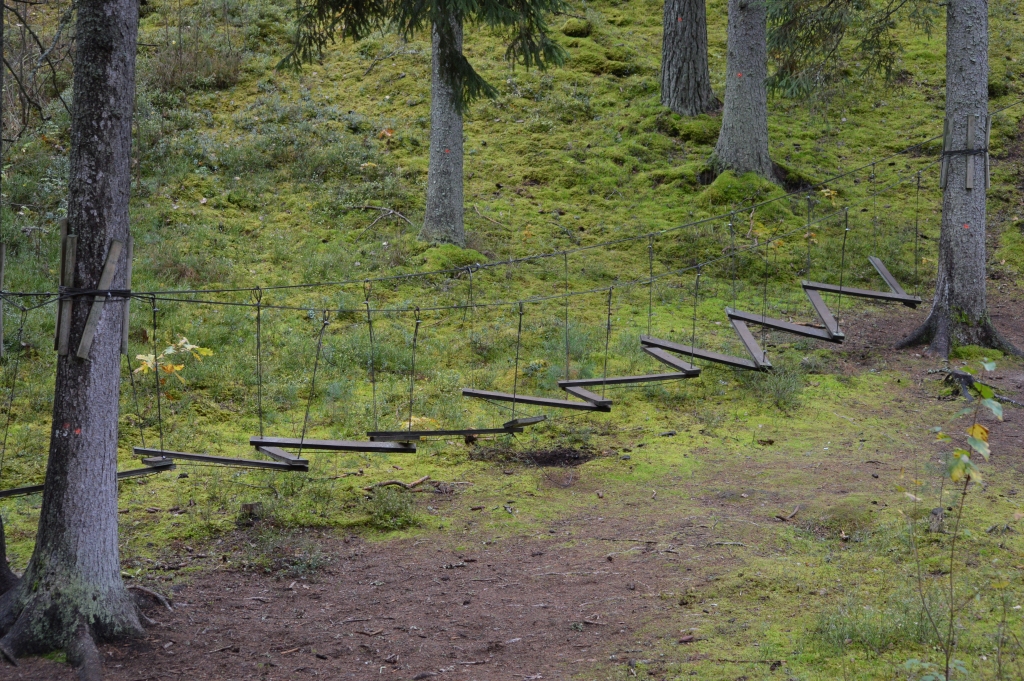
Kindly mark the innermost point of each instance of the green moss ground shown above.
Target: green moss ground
(266, 182)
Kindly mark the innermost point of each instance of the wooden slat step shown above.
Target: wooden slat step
(332, 445)
(585, 394)
(883, 272)
(219, 460)
(152, 468)
(527, 399)
(747, 338)
(525, 421)
(279, 454)
(909, 301)
(781, 325)
(622, 380)
(413, 435)
(824, 314)
(671, 360)
(699, 353)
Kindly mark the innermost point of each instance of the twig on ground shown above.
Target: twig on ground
(485, 217)
(383, 209)
(398, 483)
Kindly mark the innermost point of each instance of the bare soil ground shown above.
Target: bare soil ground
(585, 595)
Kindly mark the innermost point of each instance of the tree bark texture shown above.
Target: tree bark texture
(685, 77)
(743, 141)
(72, 591)
(959, 314)
(443, 221)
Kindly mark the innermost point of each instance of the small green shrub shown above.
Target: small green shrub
(449, 257)
(390, 509)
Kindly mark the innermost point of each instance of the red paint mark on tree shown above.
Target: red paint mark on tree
(78, 431)
(966, 226)
(739, 75)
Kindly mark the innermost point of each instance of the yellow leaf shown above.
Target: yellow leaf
(979, 431)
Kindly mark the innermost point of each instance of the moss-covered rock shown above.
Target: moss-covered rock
(577, 28)
(449, 256)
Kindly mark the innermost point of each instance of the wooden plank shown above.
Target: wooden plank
(747, 338)
(64, 332)
(883, 272)
(413, 435)
(106, 279)
(150, 469)
(824, 314)
(670, 360)
(279, 454)
(525, 421)
(909, 301)
(624, 380)
(699, 353)
(527, 399)
(127, 301)
(585, 394)
(781, 325)
(219, 460)
(332, 445)
(63, 222)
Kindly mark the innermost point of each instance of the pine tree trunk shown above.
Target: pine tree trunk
(685, 78)
(743, 141)
(443, 221)
(72, 591)
(959, 314)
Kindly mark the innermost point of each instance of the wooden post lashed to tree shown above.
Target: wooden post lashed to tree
(127, 301)
(106, 279)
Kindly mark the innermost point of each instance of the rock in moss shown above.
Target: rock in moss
(577, 28)
(448, 256)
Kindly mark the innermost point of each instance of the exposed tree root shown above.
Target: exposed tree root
(152, 594)
(39, 621)
(82, 653)
(8, 579)
(939, 332)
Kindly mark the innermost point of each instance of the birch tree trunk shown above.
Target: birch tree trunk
(743, 141)
(443, 220)
(71, 592)
(685, 78)
(959, 314)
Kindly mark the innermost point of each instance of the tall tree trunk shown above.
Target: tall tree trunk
(685, 78)
(71, 592)
(443, 221)
(743, 141)
(959, 314)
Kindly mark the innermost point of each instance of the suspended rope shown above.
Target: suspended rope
(135, 395)
(412, 369)
(10, 396)
(156, 376)
(258, 294)
(764, 295)
(312, 381)
(607, 339)
(917, 235)
(515, 374)
(650, 286)
(842, 264)
(565, 262)
(693, 330)
(732, 249)
(469, 303)
(874, 213)
(807, 237)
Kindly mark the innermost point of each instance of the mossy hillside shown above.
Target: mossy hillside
(271, 182)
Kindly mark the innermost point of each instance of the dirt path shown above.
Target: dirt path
(586, 593)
